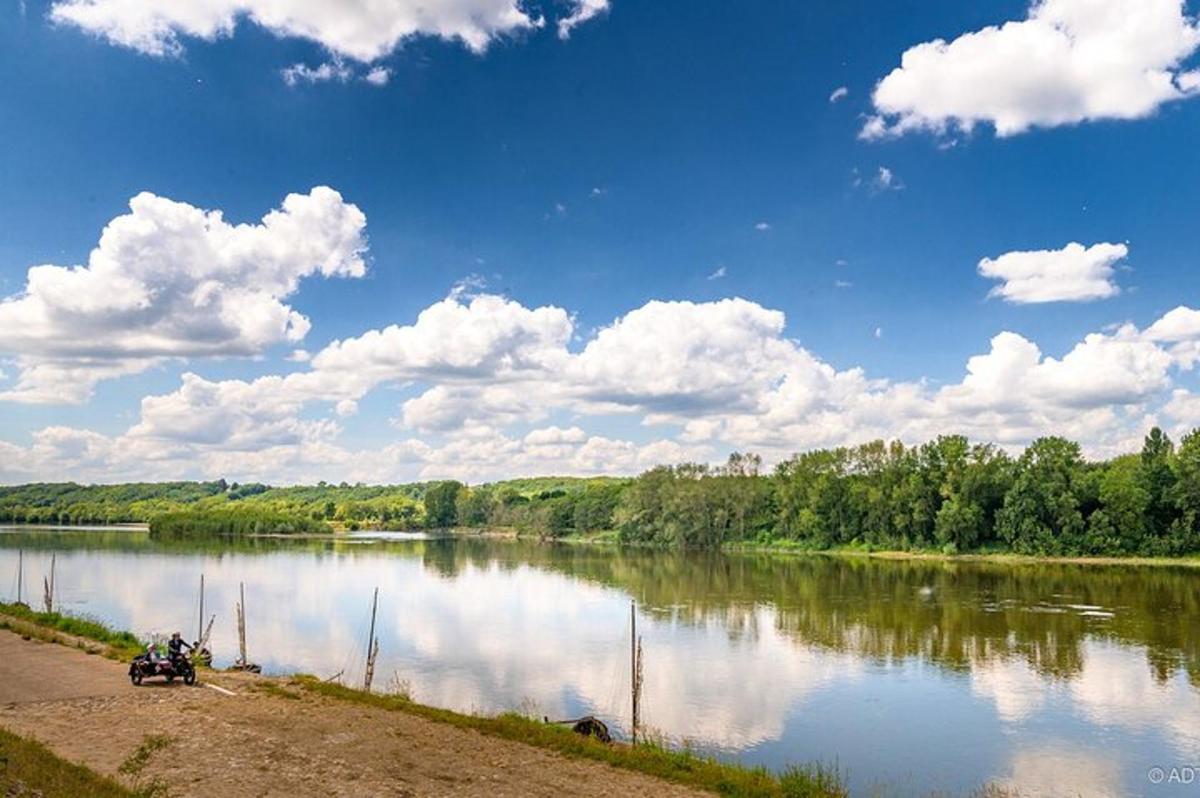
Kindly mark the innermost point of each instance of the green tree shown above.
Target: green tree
(1041, 512)
(441, 504)
(1158, 480)
(1119, 526)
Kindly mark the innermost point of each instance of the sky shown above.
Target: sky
(293, 240)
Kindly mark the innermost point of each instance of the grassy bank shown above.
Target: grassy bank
(682, 767)
(28, 768)
(791, 547)
(787, 547)
(69, 630)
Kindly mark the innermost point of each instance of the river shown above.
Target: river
(910, 676)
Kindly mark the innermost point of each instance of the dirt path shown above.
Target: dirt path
(253, 744)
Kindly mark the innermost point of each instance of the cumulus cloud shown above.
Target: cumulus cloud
(1072, 274)
(490, 387)
(362, 32)
(1179, 329)
(1068, 61)
(485, 336)
(840, 93)
(169, 280)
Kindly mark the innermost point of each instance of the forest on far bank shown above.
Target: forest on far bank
(949, 495)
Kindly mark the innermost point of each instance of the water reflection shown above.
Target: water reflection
(1024, 672)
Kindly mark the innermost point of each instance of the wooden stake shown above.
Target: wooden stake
(200, 623)
(207, 633)
(372, 646)
(20, 572)
(241, 618)
(637, 690)
(633, 667)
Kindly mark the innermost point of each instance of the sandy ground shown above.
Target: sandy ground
(253, 744)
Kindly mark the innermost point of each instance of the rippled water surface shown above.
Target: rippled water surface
(913, 676)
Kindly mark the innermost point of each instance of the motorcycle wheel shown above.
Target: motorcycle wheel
(189, 678)
(135, 677)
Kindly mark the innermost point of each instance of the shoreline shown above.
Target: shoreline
(607, 539)
(671, 767)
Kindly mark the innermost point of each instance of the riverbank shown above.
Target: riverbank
(301, 736)
(610, 539)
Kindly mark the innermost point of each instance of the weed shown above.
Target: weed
(137, 761)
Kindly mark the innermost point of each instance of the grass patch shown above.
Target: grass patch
(118, 645)
(28, 768)
(682, 767)
(136, 762)
(272, 688)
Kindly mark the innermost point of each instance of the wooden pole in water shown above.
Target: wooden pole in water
(200, 625)
(20, 572)
(633, 668)
(372, 645)
(241, 613)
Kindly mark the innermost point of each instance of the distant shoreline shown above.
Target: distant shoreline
(608, 540)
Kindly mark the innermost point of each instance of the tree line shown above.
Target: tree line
(949, 494)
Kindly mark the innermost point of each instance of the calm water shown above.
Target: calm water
(913, 677)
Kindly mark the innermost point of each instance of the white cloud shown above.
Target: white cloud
(378, 76)
(330, 70)
(1180, 328)
(1072, 274)
(359, 31)
(718, 274)
(488, 337)
(581, 12)
(840, 93)
(484, 376)
(1068, 62)
(1176, 326)
(762, 227)
(169, 280)
(886, 180)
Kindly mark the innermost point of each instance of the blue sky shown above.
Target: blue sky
(662, 151)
